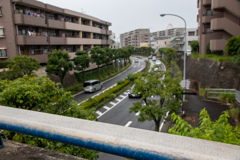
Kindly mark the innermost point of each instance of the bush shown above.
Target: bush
(4, 64)
(131, 77)
(91, 103)
(227, 98)
(120, 81)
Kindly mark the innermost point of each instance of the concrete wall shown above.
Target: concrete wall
(212, 74)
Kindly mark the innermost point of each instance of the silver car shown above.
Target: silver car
(92, 86)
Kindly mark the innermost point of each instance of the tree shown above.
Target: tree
(233, 46)
(166, 93)
(81, 62)
(194, 46)
(220, 130)
(98, 55)
(208, 50)
(58, 64)
(20, 66)
(42, 94)
(109, 57)
(170, 53)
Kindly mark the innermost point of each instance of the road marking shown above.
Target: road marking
(138, 113)
(107, 108)
(122, 96)
(118, 99)
(112, 103)
(128, 124)
(125, 93)
(99, 113)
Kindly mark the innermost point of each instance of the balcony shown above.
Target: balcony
(57, 40)
(32, 40)
(230, 5)
(84, 41)
(55, 24)
(42, 58)
(29, 20)
(206, 2)
(226, 25)
(207, 19)
(30, 2)
(218, 44)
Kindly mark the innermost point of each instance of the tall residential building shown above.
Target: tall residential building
(172, 32)
(134, 38)
(218, 20)
(32, 28)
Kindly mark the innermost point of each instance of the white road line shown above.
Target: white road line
(125, 93)
(128, 124)
(112, 103)
(107, 108)
(122, 96)
(110, 108)
(118, 99)
(138, 113)
(99, 113)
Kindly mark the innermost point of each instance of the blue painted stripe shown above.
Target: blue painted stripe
(123, 151)
(1, 142)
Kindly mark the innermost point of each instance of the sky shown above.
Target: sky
(128, 15)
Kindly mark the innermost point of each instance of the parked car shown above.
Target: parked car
(92, 86)
(154, 58)
(132, 94)
(149, 57)
(136, 60)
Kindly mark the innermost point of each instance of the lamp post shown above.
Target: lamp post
(185, 44)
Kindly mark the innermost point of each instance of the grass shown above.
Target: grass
(216, 58)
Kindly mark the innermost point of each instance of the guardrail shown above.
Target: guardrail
(212, 93)
(237, 95)
(118, 140)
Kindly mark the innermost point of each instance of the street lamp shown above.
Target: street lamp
(185, 44)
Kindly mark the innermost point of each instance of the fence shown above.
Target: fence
(212, 93)
(237, 95)
(118, 140)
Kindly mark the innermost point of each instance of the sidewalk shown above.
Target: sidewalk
(195, 104)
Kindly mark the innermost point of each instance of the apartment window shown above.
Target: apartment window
(2, 31)
(189, 42)
(0, 10)
(191, 33)
(209, 12)
(3, 53)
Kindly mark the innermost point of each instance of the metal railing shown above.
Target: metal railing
(237, 95)
(118, 140)
(212, 93)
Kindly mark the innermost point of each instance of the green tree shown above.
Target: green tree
(98, 56)
(208, 50)
(194, 46)
(20, 66)
(41, 94)
(166, 93)
(58, 64)
(82, 62)
(220, 130)
(170, 53)
(233, 46)
(109, 57)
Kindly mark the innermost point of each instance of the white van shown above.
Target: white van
(92, 86)
(154, 58)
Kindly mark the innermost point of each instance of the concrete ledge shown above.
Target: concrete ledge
(113, 139)
(13, 150)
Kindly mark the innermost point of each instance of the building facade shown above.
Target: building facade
(172, 32)
(218, 20)
(191, 36)
(32, 28)
(135, 38)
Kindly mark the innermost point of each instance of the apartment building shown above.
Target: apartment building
(32, 28)
(218, 20)
(135, 38)
(172, 32)
(191, 36)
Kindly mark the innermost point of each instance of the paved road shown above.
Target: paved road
(132, 69)
(117, 112)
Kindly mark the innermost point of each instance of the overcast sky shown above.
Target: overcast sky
(127, 15)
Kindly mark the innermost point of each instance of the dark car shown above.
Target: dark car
(132, 94)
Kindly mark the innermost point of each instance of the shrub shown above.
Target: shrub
(227, 98)
(131, 77)
(120, 81)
